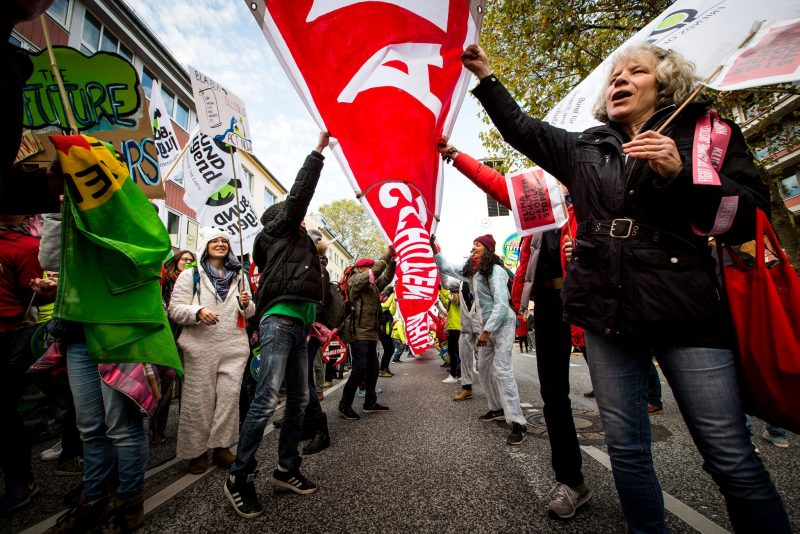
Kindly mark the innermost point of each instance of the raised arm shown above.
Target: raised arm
(487, 179)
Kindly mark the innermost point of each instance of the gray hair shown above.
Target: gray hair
(675, 77)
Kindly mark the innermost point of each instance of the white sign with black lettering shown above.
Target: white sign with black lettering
(221, 114)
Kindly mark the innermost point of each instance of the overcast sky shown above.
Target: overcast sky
(222, 39)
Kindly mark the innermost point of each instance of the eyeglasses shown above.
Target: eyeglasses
(218, 240)
(187, 259)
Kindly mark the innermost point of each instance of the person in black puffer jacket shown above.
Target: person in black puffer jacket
(290, 288)
(641, 280)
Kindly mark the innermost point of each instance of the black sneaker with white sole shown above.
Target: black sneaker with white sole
(241, 492)
(492, 415)
(348, 413)
(293, 481)
(376, 408)
(517, 434)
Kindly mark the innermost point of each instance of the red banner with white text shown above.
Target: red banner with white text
(384, 77)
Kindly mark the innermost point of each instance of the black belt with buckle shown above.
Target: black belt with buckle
(624, 228)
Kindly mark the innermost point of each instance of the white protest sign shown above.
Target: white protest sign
(536, 201)
(163, 133)
(206, 168)
(221, 113)
(221, 211)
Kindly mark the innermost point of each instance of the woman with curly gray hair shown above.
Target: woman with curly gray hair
(641, 280)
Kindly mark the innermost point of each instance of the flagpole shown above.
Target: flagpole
(238, 212)
(702, 86)
(175, 163)
(73, 128)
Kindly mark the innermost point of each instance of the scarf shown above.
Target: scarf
(221, 281)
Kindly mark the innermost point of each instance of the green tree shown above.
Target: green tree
(541, 49)
(355, 228)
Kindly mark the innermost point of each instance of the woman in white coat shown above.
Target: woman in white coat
(211, 302)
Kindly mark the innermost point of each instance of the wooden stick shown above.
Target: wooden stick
(73, 128)
(175, 163)
(692, 96)
(238, 214)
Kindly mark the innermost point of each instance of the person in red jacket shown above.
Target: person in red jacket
(539, 277)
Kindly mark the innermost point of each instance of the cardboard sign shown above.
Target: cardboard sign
(334, 351)
(221, 113)
(108, 103)
(29, 146)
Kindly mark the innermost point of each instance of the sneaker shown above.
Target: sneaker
(652, 409)
(241, 492)
(464, 394)
(755, 447)
(51, 454)
(397, 361)
(779, 441)
(565, 501)
(450, 380)
(383, 373)
(293, 481)
(348, 413)
(376, 408)
(496, 415)
(72, 467)
(327, 384)
(517, 434)
(18, 494)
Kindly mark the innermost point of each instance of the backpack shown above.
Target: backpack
(334, 311)
(344, 285)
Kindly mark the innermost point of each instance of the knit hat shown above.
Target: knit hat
(487, 241)
(365, 262)
(272, 212)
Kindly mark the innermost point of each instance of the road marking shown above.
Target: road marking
(159, 498)
(688, 515)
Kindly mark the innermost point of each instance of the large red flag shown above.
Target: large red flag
(385, 78)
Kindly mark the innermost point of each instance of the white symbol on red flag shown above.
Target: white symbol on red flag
(385, 78)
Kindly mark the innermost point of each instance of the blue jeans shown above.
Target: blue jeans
(773, 430)
(399, 347)
(703, 381)
(284, 353)
(111, 427)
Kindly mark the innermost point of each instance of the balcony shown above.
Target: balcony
(754, 122)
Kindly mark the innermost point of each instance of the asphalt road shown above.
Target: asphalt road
(428, 465)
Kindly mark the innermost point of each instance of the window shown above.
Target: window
(269, 198)
(18, 40)
(169, 100)
(247, 179)
(495, 209)
(95, 37)
(147, 81)
(173, 227)
(789, 185)
(59, 11)
(182, 115)
(191, 235)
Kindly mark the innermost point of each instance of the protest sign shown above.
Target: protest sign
(163, 133)
(386, 93)
(536, 201)
(107, 101)
(221, 113)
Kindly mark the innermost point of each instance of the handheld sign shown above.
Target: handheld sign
(536, 201)
(334, 351)
(221, 114)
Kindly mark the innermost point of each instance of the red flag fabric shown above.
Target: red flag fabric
(384, 77)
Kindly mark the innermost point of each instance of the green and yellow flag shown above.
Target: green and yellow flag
(113, 244)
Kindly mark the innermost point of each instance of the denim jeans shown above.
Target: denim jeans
(399, 347)
(388, 350)
(313, 413)
(365, 368)
(284, 354)
(111, 427)
(704, 383)
(773, 430)
(654, 387)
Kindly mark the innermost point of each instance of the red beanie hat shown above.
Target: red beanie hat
(487, 241)
(365, 262)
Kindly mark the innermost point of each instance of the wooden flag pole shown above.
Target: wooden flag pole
(73, 128)
(702, 86)
(238, 213)
(175, 163)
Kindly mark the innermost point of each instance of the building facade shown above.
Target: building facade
(338, 255)
(112, 26)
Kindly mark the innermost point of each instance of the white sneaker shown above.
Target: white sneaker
(565, 501)
(450, 380)
(52, 453)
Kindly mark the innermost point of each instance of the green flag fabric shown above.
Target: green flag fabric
(113, 244)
